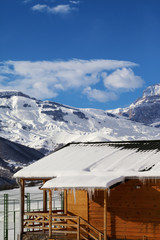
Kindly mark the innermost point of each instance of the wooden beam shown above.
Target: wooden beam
(50, 213)
(65, 201)
(44, 203)
(105, 214)
(22, 203)
(78, 228)
(44, 198)
(36, 179)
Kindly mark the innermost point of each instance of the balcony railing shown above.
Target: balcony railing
(61, 224)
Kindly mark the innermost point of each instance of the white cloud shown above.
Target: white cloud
(99, 95)
(123, 78)
(47, 79)
(39, 7)
(74, 2)
(59, 9)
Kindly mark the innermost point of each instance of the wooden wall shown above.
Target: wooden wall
(96, 210)
(133, 211)
(77, 204)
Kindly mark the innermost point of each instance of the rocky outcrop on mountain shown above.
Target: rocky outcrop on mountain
(14, 156)
(10, 93)
(146, 109)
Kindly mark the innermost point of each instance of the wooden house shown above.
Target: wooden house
(111, 191)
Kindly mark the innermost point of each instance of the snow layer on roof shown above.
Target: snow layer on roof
(84, 181)
(93, 165)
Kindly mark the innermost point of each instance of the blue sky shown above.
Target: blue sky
(82, 53)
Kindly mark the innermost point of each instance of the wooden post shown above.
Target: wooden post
(100, 236)
(105, 214)
(44, 205)
(50, 213)
(65, 201)
(22, 204)
(44, 198)
(78, 228)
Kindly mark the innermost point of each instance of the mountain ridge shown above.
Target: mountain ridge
(44, 125)
(145, 109)
(14, 156)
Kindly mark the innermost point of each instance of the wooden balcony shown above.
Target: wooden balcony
(60, 226)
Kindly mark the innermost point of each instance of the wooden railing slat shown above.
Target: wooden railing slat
(89, 233)
(83, 236)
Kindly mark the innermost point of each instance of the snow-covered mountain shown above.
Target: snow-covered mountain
(14, 156)
(146, 109)
(44, 125)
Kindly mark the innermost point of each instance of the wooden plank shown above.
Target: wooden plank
(105, 214)
(64, 217)
(83, 237)
(134, 211)
(78, 204)
(65, 201)
(96, 210)
(90, 234)
(38, 227)
(36, 214)
(130, 210)
(35, 221)
(53, 223)
(100, 236)
(78, 228)
(87, 208)
(44, 198)
(50, 213)
(36, 179)
(65, 224)
(90, 226)
(22, 203)
(65, 231)
(140, 235)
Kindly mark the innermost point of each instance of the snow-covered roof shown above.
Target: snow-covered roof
(96, 165)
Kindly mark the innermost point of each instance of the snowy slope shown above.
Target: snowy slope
(14, 156)
(146, 109)
(44, 124)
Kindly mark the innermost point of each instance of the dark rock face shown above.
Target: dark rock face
(12, 157)
(57, 115)
(146, 109)
(145, 114)
(25, 127)
(1, 106)
(112, 115)
(26, 105)
(7, 183)
(80, 115)
(17, 152)
(9, 94)
(48, 106)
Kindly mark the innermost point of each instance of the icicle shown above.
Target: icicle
(109, 192)
(74, 193)
(72, 190)
(91, 192)
(143, 180)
